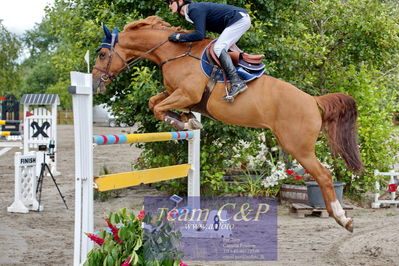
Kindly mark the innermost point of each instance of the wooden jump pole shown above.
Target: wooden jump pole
(10, 122)
(142, 138)
(82, 97)
(10, 133)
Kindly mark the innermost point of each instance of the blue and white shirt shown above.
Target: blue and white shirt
(210, 17)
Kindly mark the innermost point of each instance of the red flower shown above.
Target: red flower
(141, 215)
(392, 187)
(126, 262)
(96, 239)
(306, 171)
(290, 172)
(298, 177)
(182, 264)
(114, 231)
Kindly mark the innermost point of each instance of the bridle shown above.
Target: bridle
(129, 63)
(126, 63)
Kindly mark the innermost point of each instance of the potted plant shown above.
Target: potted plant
(315, 196)
(127, 242)
(293, 188)
(300, 187)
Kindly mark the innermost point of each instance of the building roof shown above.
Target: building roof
(46, 99)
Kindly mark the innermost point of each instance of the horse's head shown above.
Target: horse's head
(110, 61)
(139, 40)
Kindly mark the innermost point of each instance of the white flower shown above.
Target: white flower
(278, 173)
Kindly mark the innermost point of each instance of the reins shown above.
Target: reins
(187, 53)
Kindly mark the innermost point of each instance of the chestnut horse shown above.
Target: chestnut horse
(295, 118)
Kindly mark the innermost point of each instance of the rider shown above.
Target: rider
(230, 21)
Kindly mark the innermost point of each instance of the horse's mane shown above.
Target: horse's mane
(152, 22)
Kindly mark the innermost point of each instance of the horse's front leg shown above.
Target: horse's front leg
(191, 121)
(177, 100)
(154, 100)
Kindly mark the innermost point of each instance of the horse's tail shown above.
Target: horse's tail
(339, 114)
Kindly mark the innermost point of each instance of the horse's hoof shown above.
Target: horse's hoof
(194, 124)
(349, 225)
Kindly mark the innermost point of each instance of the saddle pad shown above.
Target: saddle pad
(245, 75)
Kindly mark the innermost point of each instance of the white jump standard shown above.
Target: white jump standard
(82, 96)
(25, 184)
(391, 187)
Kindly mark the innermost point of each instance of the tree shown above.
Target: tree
(10, 48)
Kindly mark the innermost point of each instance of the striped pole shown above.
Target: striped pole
(141, 138)
(9, 122)
(10, 133)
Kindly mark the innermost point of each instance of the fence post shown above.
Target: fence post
(82, 98)
(194, 148)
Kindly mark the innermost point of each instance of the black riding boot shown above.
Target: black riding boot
(237, 85)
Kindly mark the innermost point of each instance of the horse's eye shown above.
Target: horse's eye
(102, 55)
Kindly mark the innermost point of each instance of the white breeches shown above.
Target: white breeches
(232, 34)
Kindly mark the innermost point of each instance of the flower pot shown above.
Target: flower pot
(293, 193)
(316, 198)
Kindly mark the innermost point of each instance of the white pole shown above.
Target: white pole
(27, 129)
(53, 136)
(194, 148)
(87, 59)
(82, 98)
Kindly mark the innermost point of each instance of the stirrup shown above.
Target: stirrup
(230, 98)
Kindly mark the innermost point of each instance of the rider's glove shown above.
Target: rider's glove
(174, 37)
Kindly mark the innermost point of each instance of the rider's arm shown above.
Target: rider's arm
(199, 20)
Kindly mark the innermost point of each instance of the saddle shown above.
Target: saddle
(249, 67)
(238, 57)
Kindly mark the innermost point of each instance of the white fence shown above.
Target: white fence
(389, 188)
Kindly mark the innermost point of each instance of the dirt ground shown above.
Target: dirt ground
(46, 238)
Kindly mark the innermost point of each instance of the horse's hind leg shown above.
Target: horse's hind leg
(301, 146)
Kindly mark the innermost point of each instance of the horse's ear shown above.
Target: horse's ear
(107, 32)
(114, 37)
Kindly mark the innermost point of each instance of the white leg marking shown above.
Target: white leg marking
(339, 213)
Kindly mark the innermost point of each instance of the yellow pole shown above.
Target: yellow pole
(130, 179)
